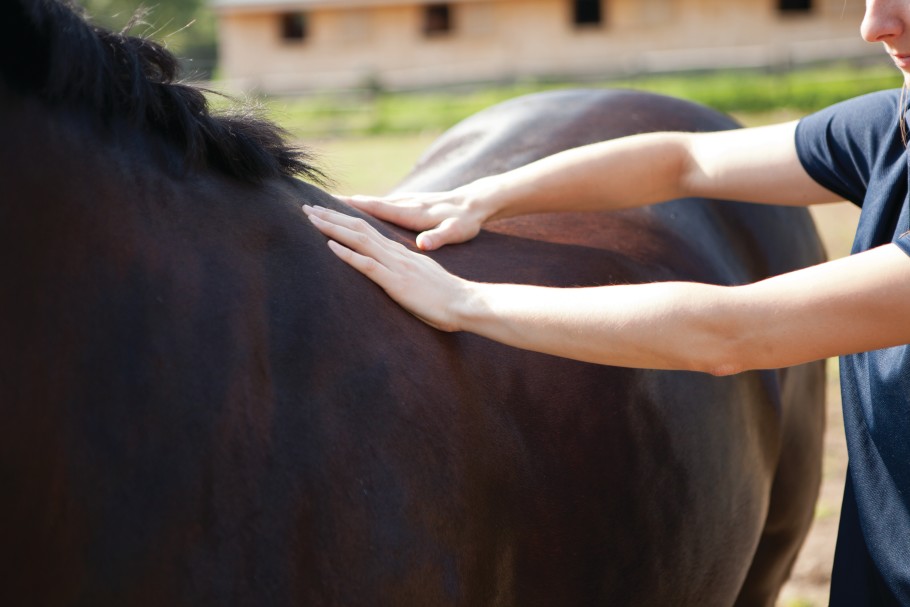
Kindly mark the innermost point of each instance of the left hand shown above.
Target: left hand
(416, 282)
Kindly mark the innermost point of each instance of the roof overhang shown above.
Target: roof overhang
(259, 6)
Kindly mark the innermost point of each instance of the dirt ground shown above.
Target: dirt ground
(811, 577)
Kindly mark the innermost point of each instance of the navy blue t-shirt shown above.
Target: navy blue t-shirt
(855, 150)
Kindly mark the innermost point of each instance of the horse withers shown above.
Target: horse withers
(201, 405)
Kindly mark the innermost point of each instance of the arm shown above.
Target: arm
(854, 304)
(850, 305)
(750, 165)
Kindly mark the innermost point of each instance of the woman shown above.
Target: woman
(858, 307)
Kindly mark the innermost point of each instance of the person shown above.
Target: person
(857, 307)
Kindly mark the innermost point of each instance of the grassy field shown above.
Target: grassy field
(369, 165)
(369, 140)
(753, 91)
(373, 164)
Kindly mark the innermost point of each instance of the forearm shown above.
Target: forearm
(655, 167)
(682, 326)
(621, 173)
(854, 304)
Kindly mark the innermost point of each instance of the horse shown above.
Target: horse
(201, 405)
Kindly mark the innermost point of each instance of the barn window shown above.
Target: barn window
(794, 6)
(293, 27)
(587, 12)
(437, 19)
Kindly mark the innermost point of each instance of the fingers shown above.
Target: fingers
(367, 266)
(395, 210)
(353, 232)
(444, 217)
(334, 218)
(415, 281)
(448, 232)
(426, 242)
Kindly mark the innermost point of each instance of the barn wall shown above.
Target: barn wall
(507, 39)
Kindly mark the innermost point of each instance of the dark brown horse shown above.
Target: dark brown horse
(202, 406)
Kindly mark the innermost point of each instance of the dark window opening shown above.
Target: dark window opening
(293, 27)
(437, 19)
(794, 6)
(587, 12)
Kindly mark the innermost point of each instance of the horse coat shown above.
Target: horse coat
(201, 405)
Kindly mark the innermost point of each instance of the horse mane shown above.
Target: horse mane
(50, 50)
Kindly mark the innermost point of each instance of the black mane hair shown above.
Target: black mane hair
(48, 49)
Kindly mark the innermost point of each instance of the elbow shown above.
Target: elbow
(726, 353)
(728, 342)
(722, 366)
(717, 364)
(738, 354)
(715, 356)
(724, 369)
(718, 334)
(690, 175)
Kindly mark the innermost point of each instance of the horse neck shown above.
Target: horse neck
(106, 248)
(72, 183)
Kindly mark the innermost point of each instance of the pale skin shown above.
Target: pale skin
(849, 305)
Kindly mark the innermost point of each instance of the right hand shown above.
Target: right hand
(419, 284)
(441, 217)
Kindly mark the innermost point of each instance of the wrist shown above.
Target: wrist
(489, 198)
(468, 309)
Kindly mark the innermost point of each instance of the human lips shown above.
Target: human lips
(901, 60)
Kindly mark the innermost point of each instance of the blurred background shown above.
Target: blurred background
(352, 70)
(368, 84)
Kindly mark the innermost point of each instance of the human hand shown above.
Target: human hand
(441, 217)
(416, 282)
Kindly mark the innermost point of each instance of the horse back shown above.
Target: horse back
(204, 406)
(774, 474)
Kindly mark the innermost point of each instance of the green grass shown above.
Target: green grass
(369, 165)
(761, 91)
(743, 91)
(373, 164)
(368, 141)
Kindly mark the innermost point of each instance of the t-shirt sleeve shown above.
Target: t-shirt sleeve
(841, 145)
(903, 241)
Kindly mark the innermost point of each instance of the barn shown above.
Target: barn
(298, 45)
